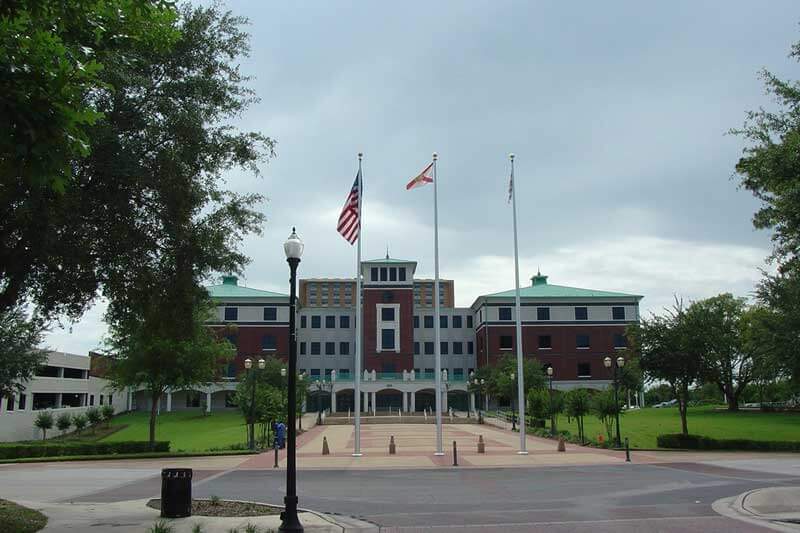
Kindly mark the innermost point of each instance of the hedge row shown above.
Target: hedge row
(698, 442)
(55, 449)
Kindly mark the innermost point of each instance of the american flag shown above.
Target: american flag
(350, 219)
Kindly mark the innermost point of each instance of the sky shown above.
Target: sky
(617, 111)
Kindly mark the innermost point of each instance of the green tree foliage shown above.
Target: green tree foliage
(577, 403)
(776, 327)
(498, 377)
(658, 394)
(64, 422)
(604, 406)
(44, 421)
(94, 417)
(539, 404)
(79, 421)
(19, 352)
(107, 412)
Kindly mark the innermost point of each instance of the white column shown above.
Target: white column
(333, 401)
(169, 402)
(208, 402)
(59, 397)
(130, 400)
(413, 402)
(472, 402)
(374, 401)
(444, 400)
(364, 402)
(405, 402)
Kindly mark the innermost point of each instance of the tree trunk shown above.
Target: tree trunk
(153, 411)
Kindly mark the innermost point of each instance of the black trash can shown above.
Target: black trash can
(176, 492)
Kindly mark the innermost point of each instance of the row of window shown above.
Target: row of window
(581, 313)
(387, 273)
(330, 348)
(444, 320)
(345, 372)
(444, 348)
(582, 341)
(48, 371)
(48, 400)
(270, 314)
(330, 321)
(268, 342)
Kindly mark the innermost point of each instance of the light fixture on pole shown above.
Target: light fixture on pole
(293, 247)
(620, 363)
(251, 433)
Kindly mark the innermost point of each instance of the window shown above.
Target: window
(393, 274)
(373, 274)
(231, 313)
(73, 373)
(458, 348)
(384, 276)
(270, 314)
(387, 339)
(110, 399)
(101, 399)
(581, 313)
(620, 341)
(428, 349)
(315, 372)
(504, 313)
(470, 348)
(387, 314)
(21, 404)
(506, 342)
(303, 323)
(343, 373)
(302, 348)
(582, 341)
(545, 342)
(315, 348)
(47, 371)
(429, 371)
(47, 400)
(230, 370)
(428, 321)
(401, 273)
(268, 343)
(344, 321)
(316, 322)
(91, 400)
(10, 403)
(416, 321)
(443, 348)
(584, 370)
(469, 321)
(344, 348)
(542, 313)
(330, 348)
(457, 321)
(330, 321)
(458, 372)
(443, 321)
(416, 348)
(618, 313)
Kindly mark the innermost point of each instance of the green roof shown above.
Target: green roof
(230, 288)
(539, 288)
(388, 260)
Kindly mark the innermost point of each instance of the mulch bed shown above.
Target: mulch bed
(225, 508)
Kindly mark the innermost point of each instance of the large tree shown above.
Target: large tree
(19, 352)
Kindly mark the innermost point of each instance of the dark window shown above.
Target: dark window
(620, 341)
(416, 322)
(315, 348)
(469, 321)
(373, 273)
(401, 273)
(110, 399)
(443, 321)
(545, 341)
(344, 321)
(101, 399)
(344, 348)
(302, 348)
(393, 274)
(458, 348)
(73, 373)
(428, 349)
(506, 342)
(270, 313)
(72, 400)
(470, 348)
(504, 313)
(10, 403)
(91, 400)
(542, 313)
(388, 368)
(387, 314)
(429, 371)
(268, 343)
(330, 348)
(428, 321)
(21, 405)
(316, 321)
(458, 372)
(384, 275)
(303, 322)
(457, 321)
(315, 372)
(618, 313)
(344, 372)
(330, 321)
(416, 348)
(443, 348)
(231, 313)
(387, 339)
(47, 371)
(581, 313)
(230, 370)
(582, 341)
(584, 370)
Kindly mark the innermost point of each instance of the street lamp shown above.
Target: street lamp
(251, 433)
(620, 363)
(293, 247)
(320, 386)
(513, 408)
(552, 414)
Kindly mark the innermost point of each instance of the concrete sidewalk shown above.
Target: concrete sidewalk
(776, 508)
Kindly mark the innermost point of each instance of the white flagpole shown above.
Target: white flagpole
(438, 345)
(520, 377)
(357, 365)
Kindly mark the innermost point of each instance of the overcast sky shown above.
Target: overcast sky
(617, 112)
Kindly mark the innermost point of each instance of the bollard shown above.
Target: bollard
(627, 451)
(392, 447)
(276, 456)
(325, 449)
(455, 454)
(481, 445)
(562, 447)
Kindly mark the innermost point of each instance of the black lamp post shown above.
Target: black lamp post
(289, 519)
(620, 362)
(552, 414)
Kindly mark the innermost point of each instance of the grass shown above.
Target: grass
(18, 519)
(642, 426)
(188, 431)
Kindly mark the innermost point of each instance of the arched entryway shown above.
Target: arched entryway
(345, 400)
(425, 399)
(318, 401)
(388, 400)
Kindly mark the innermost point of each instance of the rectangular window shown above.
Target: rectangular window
(504, 313)
(401, 273)
(458, 372)
(542, 313)
(584, 370)
(458, 348)
(268, 343)
(582, 341)
(457, 321)
(330, 348)
(387, 339)
(270, 314)
(387, 314)
(21, 405)
(506, 342)
(110, 399)
(373, 274)
(429, 371)
(618, 313)
(316, 321)
(443, 348)
(470, 348)
(330, 321)
(10, 403)
(416, 348)
(344, 348)
(303, 323)
(545, 342)
(581, 313)
(91, 400)
(315, 372)
(302, 348)
(315, 348)
(469, 321)
(620, 341)
(73, 373)
(393, 274)
(428, 321)
(428, 348)
(384, 274)
(101, 399)
(344, 373)
(344, 322)
(416, 321)
(443, 321)
(231, 313)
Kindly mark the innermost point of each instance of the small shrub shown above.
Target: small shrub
(699, 442)
(160, 527)
(250, 528)
(62, 448)
(197, 529)
(44, 421)
(214, 499)
(64, 422)
(93, 416)
(79, 421)
(107, 412)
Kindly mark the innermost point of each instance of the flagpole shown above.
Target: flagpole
(520, 376)
(357, 366)
(437, 321)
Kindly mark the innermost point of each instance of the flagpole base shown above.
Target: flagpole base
(357, 454)
(522, 452)
(439, 453)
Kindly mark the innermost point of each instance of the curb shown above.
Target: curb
(733, 507)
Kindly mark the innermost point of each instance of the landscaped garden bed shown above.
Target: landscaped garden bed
(18, 519)
(217, 507)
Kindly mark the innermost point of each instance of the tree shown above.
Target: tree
(64, 422)
(667, 353)
(604, 406)
(44, 421)
(79, 421)
(500, 384)
(539, 404)
(19, 352)
(775, 332)
(94, 417)
(107, 413)
(577, 403)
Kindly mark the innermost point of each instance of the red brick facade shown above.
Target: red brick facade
(404, 360)
(248, 342)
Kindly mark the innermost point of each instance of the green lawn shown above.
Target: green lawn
(18, 519)
(642, 426)
(186, 430)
